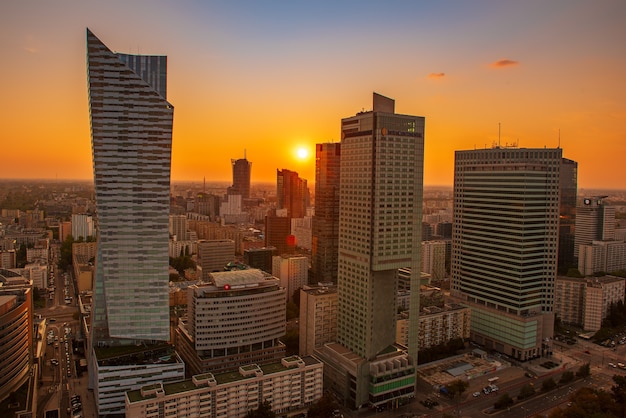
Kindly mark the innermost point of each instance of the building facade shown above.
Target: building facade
(242, 169)
(505, 245)
(291, 193)
(16, 335)
(437, 326)
(601, 256)
(567, 221)
(318, 317)
(293, 272)
(236, 318)
(82, 226)
(380, 220)
(290, 385)
(595, 221)
(213, 255)
(131, 137)
(325, 234)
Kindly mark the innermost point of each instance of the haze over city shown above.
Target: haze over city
(272, 79)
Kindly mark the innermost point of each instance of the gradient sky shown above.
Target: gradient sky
(269, 77)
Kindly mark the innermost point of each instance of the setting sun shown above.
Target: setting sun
(302, 153)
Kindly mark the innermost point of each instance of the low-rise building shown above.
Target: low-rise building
(290, 386)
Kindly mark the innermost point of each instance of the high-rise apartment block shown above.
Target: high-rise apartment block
(318, 317)
(178, 227)
(293, 272)
(241, 178)
(585, 302)
(505, 245)
(437, 326)
(131, 127)
(235, 318)
(434, 259)
(380, 221)
(325, 234)
(601, 256)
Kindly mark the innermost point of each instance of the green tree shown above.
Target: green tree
(548, 384)
(573, 272)
(292, 342)
(323, 408)
(292, 311)
(504, 401)
(65, 259)
(263, 411)
(566, 377)
(526, 391)
(584, 371)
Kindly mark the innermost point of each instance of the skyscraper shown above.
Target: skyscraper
(380, 221)
(241, 178)
(504, 245)
(325, 235)
(291, 193)
(131, 126)
(595, 221)
(567, 221)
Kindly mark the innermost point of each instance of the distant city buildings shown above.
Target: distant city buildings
(131, 126)
(241, 178)
(505, 245)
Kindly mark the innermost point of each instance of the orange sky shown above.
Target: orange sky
(270, 77)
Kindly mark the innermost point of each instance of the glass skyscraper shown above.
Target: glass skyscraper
(131, 132)
(505, 245)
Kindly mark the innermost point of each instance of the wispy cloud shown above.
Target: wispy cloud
(436, 76)
(503, 63)
(31, 49)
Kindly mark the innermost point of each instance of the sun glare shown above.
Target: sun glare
(302, 153)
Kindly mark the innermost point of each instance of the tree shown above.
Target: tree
(573, 272)
(584, 371)
(263, 411)
(292, 342)
(566, 377)
(504, 401)
(323, 408)
(548, 385)
(456, 389)
(292, 311)
(526, 392)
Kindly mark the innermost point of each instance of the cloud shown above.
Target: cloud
(436, 76)
(32, 50)
(504, 63)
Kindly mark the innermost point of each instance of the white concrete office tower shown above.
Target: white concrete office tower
(595, 221)
(293, 272)
(131, 133)
(504, 245)
(131, 129)
(380, 215)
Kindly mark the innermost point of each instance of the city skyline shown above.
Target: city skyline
(269, 79)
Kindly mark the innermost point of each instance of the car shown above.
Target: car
(476, 394)
(612, 365)
(52, 320)
(55, 362)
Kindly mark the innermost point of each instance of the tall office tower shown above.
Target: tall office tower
(131, 128)
(595, 221)
(241, 178)
(178, 227)
(292, 193)
(567, 222)
(214, 254)
(434, 259)
(325, 235)
(380, 223)
(505, 243)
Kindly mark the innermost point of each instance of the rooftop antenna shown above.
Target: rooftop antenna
(559, 138)
(244, 154)
(204, 185)
(498, 134)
